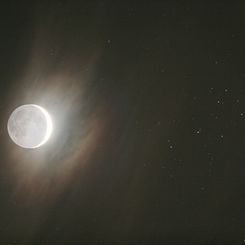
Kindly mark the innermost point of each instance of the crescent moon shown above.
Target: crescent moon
(49, 125)
(30, 126)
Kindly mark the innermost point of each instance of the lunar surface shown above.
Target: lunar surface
(30, 126)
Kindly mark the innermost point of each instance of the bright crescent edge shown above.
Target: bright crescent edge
(49, 125)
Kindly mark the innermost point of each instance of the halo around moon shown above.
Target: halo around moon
(30, 126)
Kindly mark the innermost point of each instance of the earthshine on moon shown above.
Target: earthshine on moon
(30, 126)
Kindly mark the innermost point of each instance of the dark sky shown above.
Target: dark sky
(148, 104)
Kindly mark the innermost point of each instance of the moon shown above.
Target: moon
(30, 126)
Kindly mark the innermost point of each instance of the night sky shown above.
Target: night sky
(148, 105)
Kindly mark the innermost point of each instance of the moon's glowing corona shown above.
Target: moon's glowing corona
(30, 126)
